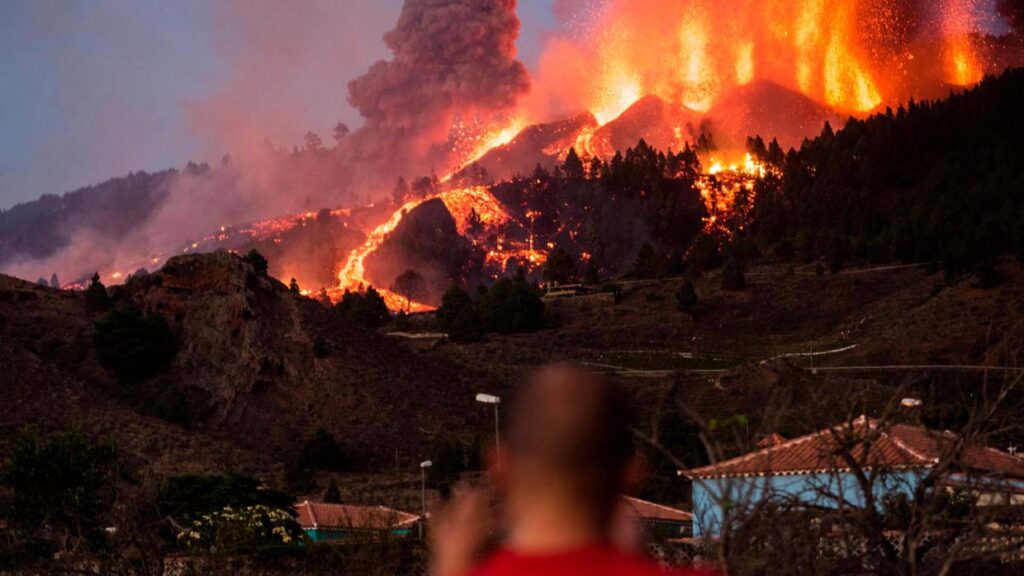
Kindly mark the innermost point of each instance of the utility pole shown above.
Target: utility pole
(423, 492)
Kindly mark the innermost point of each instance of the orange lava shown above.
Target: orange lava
(854, 55)
(461, 202)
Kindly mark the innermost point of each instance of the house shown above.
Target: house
(325, 522)
(657, 519)
(819, 470)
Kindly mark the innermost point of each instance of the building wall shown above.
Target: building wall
(325, 535)
(713, 496)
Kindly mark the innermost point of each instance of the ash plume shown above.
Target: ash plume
(1013, 12)
(449, 57)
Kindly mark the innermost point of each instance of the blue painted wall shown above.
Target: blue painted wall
(324, 535)
(712, 496)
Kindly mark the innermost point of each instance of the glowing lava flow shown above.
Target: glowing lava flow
(460, 202)
(352, 275)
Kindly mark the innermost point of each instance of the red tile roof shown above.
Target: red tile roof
(651, 511)
(346, 517)
(872, 445)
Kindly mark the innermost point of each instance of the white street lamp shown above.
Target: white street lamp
(492, 399)
(911, 402)
(423, 492)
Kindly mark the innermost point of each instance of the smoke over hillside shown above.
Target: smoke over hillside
(450, 57)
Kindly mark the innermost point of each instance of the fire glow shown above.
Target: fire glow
(460, 202)
(852, 55)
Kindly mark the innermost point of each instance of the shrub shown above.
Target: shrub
(244, 528)
(133, 345)
(257, 261)
(560, 267)
(322, 452)
(188, 497)
(686, 297)
(511, 305)
(401, 321)
(367, 309)
(62, 486)
(454, 301)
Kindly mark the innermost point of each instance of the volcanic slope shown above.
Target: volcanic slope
(258, 366)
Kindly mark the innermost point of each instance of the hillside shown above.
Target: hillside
(903, 316)
(246, 375)
(112, 209)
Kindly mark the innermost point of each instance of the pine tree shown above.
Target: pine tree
(573, 166)
(96, 297)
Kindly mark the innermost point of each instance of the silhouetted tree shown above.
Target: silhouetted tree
(322, 452)
(313, 142)
(412, 286)
(686, 297)
(134, 345)
(257, 261)
(704, 254)
(573, 166)
(474, 225)
(61, 486)
(367, 309)
(400, 192)
(511, 305)
(332, 495)
(96, 297)
(560, 267)
(458, 316)
(340, 131)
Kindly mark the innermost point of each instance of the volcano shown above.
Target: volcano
(659, 123)
(770, 110)
(759, 108)
(537, 144)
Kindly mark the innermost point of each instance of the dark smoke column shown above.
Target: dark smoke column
(449, 56)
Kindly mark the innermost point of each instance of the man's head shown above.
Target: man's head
(568, 440)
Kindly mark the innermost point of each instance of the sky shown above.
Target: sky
(91, 89)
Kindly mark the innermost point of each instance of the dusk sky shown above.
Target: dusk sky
(91, 89)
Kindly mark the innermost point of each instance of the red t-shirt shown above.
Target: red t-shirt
(590, 561)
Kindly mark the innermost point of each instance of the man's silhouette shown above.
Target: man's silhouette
(561, 471)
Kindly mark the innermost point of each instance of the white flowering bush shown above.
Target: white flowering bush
(247, 527)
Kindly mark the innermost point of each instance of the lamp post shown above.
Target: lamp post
(423, 492)
(492, 399)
